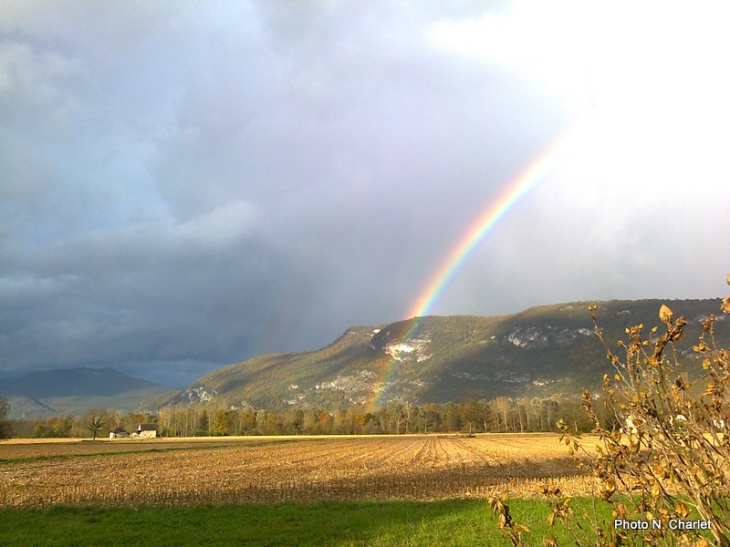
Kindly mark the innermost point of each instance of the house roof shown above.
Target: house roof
(147, 427)
(119, 430)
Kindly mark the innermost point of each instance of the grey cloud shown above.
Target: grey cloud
(188, 185)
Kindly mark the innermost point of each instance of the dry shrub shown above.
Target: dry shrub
(666, 455)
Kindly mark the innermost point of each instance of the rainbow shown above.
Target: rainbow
(487, 221)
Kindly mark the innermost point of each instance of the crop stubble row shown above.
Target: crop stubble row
(406, 467)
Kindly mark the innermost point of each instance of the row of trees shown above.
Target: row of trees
(498, 415)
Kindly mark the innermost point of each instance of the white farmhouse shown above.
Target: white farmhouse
(145, 431)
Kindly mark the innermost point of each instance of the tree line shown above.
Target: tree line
(501, 414)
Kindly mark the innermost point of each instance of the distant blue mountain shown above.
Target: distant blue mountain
(72, 391)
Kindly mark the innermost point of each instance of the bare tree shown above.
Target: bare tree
(502, 406)
(407, 411)
(5, 427)
(95, 424)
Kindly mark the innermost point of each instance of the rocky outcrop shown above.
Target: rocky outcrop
(542, 337)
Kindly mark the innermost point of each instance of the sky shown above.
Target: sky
(185, 185)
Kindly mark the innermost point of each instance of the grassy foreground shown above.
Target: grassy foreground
(455, 522)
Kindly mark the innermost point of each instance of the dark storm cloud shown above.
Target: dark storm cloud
(187, 185)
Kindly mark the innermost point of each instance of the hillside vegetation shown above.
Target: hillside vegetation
(546, 351)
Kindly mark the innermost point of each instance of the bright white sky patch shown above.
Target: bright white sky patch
(646, 82)
(538, 39)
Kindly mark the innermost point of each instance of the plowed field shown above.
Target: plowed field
(257, 470)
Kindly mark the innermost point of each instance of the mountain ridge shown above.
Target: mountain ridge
(547, 351)
(543, 351)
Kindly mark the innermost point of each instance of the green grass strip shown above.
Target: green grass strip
(330, 523)
(454, 522)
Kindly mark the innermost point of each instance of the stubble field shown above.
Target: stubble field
(274, 470)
